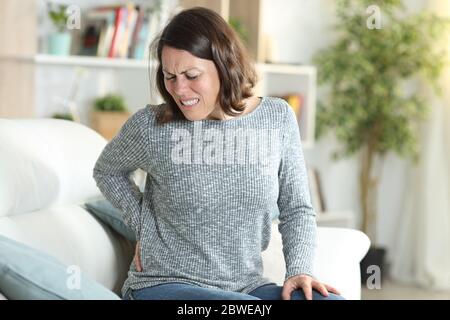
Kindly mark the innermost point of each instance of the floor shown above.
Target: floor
(397, 291)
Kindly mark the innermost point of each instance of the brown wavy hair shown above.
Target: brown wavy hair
(206, 35)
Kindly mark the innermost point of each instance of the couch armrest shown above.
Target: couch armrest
(339, 252)
(336, 262)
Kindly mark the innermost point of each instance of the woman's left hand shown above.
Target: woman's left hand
(307, 284)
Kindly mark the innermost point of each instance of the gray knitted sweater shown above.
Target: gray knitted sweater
(211, 192)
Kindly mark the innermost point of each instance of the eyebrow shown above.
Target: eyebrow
(192, 68)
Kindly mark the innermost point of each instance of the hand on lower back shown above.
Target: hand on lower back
(137, 257)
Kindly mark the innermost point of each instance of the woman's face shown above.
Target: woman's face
(192, 82)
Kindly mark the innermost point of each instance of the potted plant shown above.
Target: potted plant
(109, 115)
(60, 40)
(63, 116)
(364, 105)
(240, 29)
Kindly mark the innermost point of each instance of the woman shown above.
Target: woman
(219, 162)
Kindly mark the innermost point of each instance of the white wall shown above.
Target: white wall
(298, 27)
(303, 29)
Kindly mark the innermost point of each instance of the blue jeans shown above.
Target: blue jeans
(183, 291)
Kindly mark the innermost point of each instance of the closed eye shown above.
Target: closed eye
(168, 78)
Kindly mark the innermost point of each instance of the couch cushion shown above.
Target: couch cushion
(110, 215)
(29, 274)
(46, 162)
(21, 183)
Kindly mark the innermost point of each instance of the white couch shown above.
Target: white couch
(46, 173)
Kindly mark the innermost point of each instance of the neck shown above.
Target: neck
(218, 113)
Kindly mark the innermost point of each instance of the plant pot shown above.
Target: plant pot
(108, 123)
(59, 43)
(374, 258)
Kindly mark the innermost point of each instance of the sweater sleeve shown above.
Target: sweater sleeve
(124, 154)
(297, 216)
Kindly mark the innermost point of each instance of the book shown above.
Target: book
(119, 29)
(153, 29)
(320, 191)
(102, 18)
(136, 31)
(130, 23)
(95, 31)
(316, 195)
(90, 39)
(148, 31)
(138, 47)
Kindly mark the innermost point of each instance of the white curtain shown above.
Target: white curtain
(422, 253)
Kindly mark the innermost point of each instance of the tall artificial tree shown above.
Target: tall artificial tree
(364, 74)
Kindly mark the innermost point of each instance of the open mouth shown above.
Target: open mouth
(189, 103)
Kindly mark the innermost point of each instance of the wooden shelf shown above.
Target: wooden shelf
(334, 219)
(46, 59)
(275, 78)
(286, 68)
(343, 219)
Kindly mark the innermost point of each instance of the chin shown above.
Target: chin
(192, 117)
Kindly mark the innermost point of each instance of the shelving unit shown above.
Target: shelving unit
(45, 59)
(336, 219)
(43, 78)
(276, 80)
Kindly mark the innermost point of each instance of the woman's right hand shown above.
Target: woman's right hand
(137, 257)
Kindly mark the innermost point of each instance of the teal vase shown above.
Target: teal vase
(59, 43)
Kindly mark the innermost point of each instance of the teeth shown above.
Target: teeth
(189, 102)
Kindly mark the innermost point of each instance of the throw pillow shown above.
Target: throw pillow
(111, 216)
(30, 274)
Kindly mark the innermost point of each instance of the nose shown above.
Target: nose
(180, 86)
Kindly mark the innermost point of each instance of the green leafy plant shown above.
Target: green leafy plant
(240, 29)
(110, 102)
(57, 14)
(364, 73)
(63, 116)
